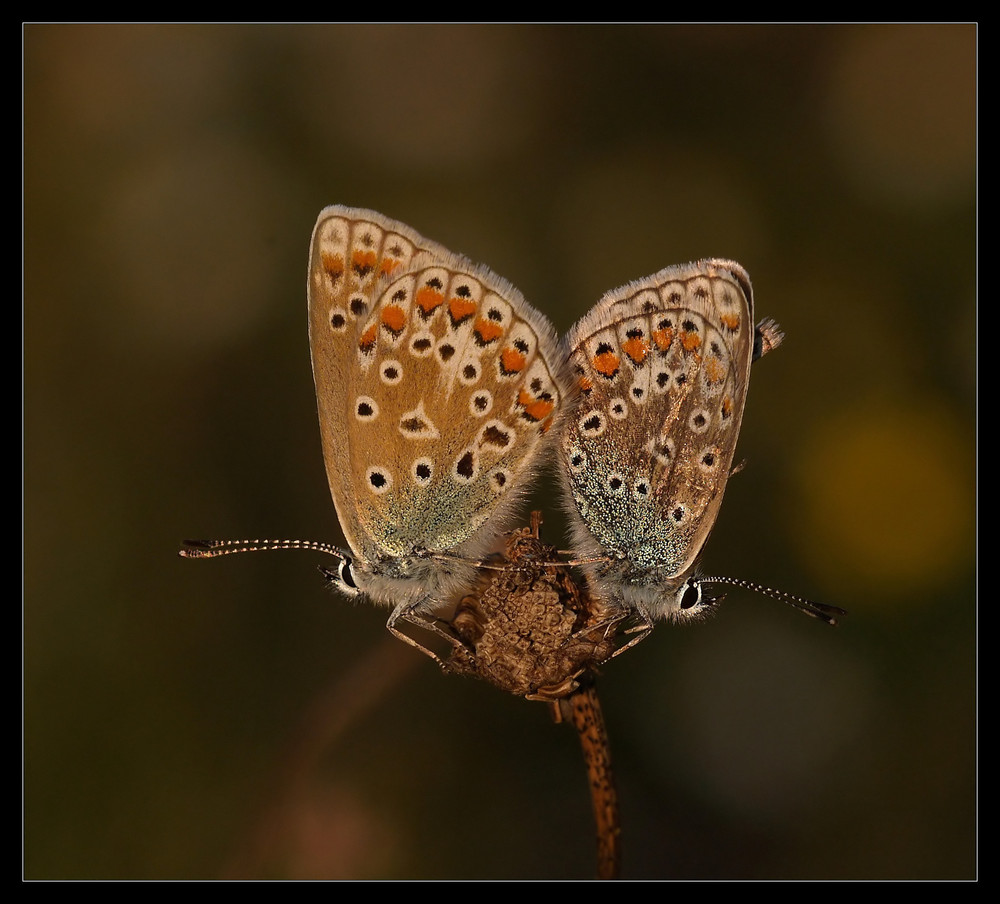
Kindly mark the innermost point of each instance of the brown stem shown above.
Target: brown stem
(584, 711)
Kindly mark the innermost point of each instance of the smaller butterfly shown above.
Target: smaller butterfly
(438, 387)
(662, 368)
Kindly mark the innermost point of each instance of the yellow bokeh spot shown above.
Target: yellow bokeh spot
(887, 497)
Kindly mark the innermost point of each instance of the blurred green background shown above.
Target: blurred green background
(234, 719)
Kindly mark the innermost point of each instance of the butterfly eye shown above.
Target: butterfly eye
(346, 574)
(690, 595)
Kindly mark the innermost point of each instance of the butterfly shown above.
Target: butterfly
(441, 392)
(662, 366)
(438, 387)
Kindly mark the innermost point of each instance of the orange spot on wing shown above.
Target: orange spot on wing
(727, 407)
(690, 341)
(585, 384)
(731, 321)
(428, 299)
(461, 309)
(488, 330)
(539, 409)
(512, 361)
(607, 363)
(663, 338)
(636, 349)
(389, 264)
(363, 262)
(333, 264)
(714, 370)
(394, 318)
(535, 409)
(367, 341)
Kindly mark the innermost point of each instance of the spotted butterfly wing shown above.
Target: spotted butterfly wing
(437, 385)
(662, 366)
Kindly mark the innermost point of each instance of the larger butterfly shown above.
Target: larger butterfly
(437, 386)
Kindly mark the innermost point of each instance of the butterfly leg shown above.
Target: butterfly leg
(641, 631)
(404, 612)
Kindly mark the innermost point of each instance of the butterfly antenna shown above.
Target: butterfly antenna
(213, 549)
(822, 611)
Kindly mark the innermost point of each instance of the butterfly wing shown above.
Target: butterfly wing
(662, 366)
(437, 386)
(352, 254)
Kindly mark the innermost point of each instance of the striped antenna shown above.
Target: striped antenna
(212, 549)
(822, 611)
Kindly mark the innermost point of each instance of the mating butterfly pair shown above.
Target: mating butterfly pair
(441, 392)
